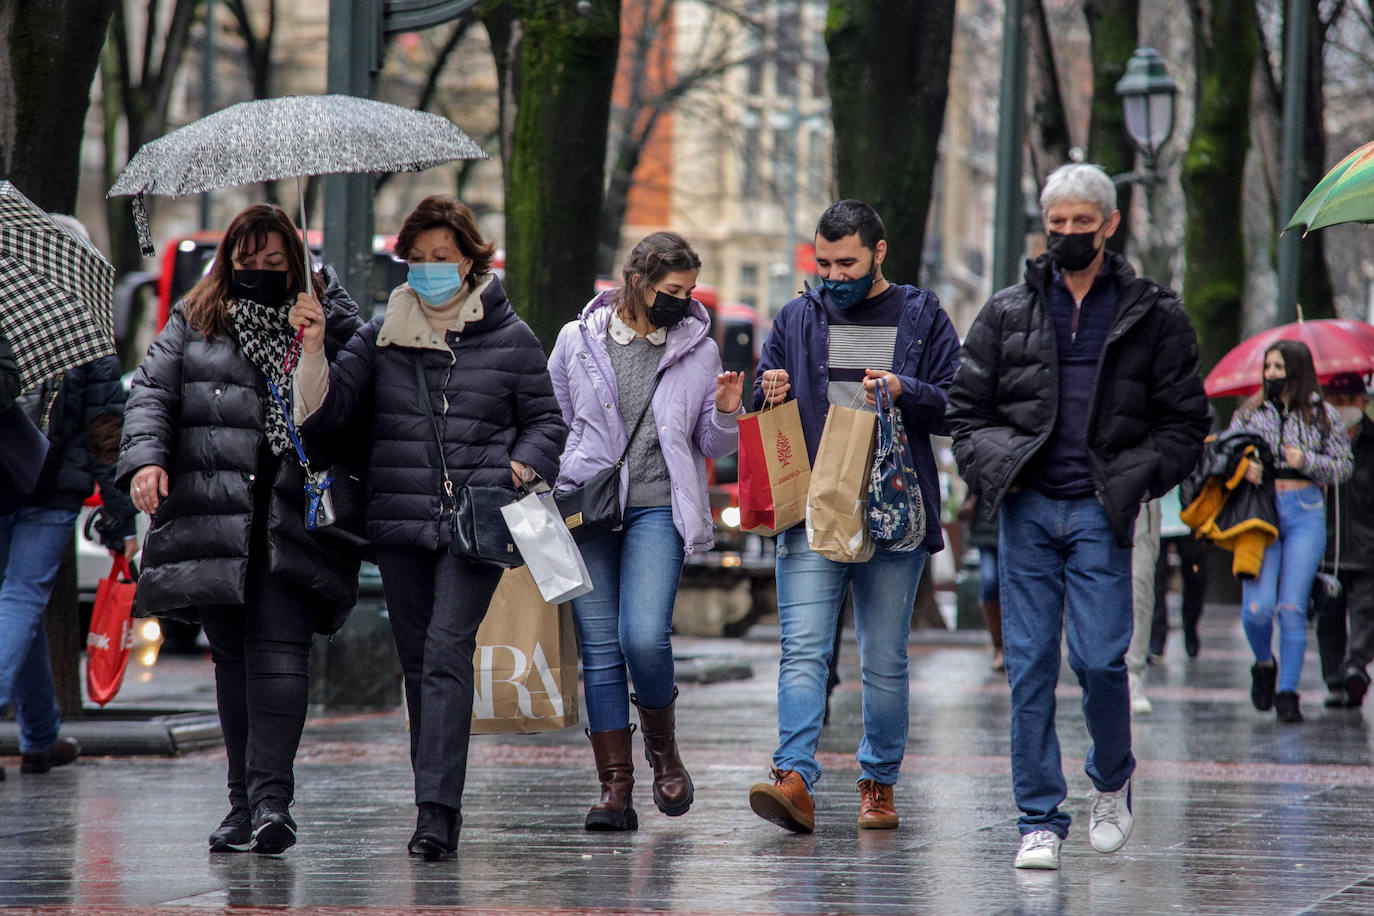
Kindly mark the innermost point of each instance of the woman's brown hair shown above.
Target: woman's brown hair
(1301, 384)
(207, 303)
(650, 261)
(442, 211)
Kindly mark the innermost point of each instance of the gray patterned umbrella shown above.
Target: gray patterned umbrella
(287, 138)
(56, 292)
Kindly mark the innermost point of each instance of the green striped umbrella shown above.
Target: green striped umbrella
(1345, 195)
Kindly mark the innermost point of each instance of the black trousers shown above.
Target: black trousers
(1345, 625)
(436, 602)
(261, 650)
(1192, 561)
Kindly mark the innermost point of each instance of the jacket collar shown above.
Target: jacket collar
(1133, 299)
(405, 324)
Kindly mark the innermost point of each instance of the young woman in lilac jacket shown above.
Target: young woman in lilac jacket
(604, 367)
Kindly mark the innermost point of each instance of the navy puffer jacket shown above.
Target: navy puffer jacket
(490, 389)
(71, 470)
(196, 410)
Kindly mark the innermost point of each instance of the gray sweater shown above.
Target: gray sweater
(635, 364)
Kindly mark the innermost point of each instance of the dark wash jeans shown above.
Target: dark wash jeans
(436, 602)
(261, 650)
(1062, 571)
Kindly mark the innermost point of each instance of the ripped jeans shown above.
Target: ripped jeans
(1284, 583)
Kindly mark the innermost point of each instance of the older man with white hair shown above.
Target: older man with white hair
(1076, 399)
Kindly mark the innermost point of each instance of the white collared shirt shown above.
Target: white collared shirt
(624, 335)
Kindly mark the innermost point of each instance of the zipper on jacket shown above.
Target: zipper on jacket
(1077, 311)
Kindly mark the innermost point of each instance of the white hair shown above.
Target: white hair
(71, 224)
(1079, 182)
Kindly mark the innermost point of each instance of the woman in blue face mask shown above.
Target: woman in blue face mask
(494, 407)
(644, 351)
(1307, 449)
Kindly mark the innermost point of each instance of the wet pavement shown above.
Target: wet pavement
(1234, 812)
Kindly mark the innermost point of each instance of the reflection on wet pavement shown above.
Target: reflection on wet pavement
(1235, 813)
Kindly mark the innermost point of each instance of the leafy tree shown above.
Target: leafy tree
(888, 103)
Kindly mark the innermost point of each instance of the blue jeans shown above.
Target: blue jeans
(626, 620)
(33, 542)
(1061, 564)
(988, 587)
(810, 593)
(1285, 583)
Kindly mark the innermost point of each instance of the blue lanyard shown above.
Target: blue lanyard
(290, 425)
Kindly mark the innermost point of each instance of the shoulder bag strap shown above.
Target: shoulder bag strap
(290, 425)
(658, 376)
(423, 385)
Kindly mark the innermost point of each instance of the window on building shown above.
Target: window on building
(789, 54)
(751, 182)
(753, 69)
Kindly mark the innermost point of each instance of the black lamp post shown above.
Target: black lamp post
(1147, 97)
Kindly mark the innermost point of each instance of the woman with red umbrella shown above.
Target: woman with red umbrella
(1308, 448)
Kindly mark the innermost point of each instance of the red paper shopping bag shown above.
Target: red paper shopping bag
(774, 471)
(112, 633)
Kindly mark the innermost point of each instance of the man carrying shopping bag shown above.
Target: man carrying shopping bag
(830, 346)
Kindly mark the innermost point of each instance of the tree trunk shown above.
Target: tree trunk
(66, 638)
(1213, 173)
(45, 90)
(888, 103)
(1315, 293)
(555, 182)
(1114, 29)
(1049, 135)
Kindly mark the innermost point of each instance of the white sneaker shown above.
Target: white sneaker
(1111, 819)
(1039, 849)
(1140, 704)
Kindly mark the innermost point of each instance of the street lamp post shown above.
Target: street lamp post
(1147, 97)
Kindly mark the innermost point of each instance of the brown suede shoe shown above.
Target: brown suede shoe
(876, 809)
(785, 802)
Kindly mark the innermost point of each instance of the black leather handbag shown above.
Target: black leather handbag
(335, 497)
(592, 509)
(477, 530)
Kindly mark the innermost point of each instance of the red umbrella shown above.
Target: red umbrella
(1337, 345)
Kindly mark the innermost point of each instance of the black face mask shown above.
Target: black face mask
(1273, 388)
(1072, 250)
(668, 310)
(265, 287)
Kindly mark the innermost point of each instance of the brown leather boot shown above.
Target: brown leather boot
(992, 613)
(876, 808)
(616, 770)
(672, 785)
(785, 801)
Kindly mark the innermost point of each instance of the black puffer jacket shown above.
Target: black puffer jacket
(491, 393)
(196, 410)
(9, 375)
(71, 469)
(1147, 416)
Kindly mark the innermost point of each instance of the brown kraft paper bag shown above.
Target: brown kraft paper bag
(525, 666)
(774, 472)
(837, 501)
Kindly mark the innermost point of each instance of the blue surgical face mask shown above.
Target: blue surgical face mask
(435, 283)
(848, 293)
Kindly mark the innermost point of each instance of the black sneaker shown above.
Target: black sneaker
(60, 753)
(273, 829)
(234, 833)
(1264, 676)
(1286, 706)
(1356, 685)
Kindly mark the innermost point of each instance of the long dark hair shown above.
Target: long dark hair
(650, 261)
(1301, 384)
(207, 304)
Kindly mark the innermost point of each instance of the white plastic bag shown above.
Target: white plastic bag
(547, 547)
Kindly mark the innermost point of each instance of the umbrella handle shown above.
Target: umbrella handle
(305, 234)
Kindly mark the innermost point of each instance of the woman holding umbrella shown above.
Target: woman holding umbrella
(449, 336)
(208, 453)
(1307, 448)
